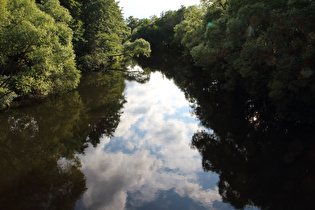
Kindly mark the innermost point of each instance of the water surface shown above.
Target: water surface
(149, 163)
(110, 144)
(121, 144)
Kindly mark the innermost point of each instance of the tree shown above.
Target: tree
(137, 48)
(189, 31)
(3, 11)
(263, 47)
(104, 32)
(77, 24)
(132, 22)
(261, 160)
(159, 31)
(36, 52)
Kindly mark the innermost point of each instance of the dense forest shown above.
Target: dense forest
(45, 45)
(252, 89)
(261, 160)
(246, 66)
(264, 48)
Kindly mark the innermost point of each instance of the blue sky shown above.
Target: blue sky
(145, 9)
(150, 153)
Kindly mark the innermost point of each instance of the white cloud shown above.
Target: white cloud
(111, 176)
(145, 8)
(159, 157)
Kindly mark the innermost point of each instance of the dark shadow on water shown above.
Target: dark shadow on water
(39, 143)
(261, 159)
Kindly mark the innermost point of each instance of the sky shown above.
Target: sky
(145, 9)
(150, 153)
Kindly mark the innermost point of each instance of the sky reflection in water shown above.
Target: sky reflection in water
(149, 163)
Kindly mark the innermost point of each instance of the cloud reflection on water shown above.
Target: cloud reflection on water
(149, 154)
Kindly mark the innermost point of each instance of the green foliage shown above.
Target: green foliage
(264, 47)
(3, 12)
(99, 33)
(53, 8)
(188, 31)
(77, 24)
(7, 96)
(133, 23)
(36, 49)
(245, 142)
(158, 31)
(104, 32)
(147, 30)
(37, 56)
(137, 48)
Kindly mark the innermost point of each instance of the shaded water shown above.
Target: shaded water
(115, 144)
(39, 143)
(107, 145)
(148, 163)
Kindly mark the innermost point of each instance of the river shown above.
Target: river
(123, 145)
(120, 144)
(148, 163)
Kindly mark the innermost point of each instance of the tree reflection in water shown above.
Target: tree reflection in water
(38, 164)
(261, 160)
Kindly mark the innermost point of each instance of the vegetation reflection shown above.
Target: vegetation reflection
(261, 160)
(39, 143)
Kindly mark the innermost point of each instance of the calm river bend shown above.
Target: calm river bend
(119, 144)
(108, 145)
(148, 163)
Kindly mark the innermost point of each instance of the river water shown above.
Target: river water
(148, 163)
(121, 144)
(111, 144)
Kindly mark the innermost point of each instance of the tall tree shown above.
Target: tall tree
(158, 31)
(99, 33)
(104, 32)
(36, 52)
(264, 47)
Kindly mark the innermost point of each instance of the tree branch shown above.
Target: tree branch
(2, 96)
(6, 82)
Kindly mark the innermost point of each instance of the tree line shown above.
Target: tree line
(244, 142)
(45, 45)
(252, 89)
(265, 48)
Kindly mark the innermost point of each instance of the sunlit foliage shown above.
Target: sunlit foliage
(43, 44)
(137, 48)
(36, 53)
(265, 48)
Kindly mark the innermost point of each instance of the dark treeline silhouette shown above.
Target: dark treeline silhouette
(261, 160)
(263, 47)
